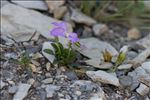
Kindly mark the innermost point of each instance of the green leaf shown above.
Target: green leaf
(49, 51)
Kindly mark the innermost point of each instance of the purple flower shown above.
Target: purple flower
(59, 30)
(73, 37)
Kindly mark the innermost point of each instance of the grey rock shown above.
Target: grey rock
(47, 45)
(13, 89)
(50, 90)
(145, 41)
(22, 23)
(97, 96)
(79, 17)
(2, 84)
(100, 29)
(48, 80)
(95, 51)
(143, 89)
(126, 81)
(131, 54)
(97, 64)
(22, 91)
(103, 77)
(59, 12)
(133, 33)
(146, 67)
(40, 4)
(71, 75)
(3, 2)
(141, 57)
(125, 66)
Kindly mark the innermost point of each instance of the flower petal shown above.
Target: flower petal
(61, 24)
(58, 32)
(73, 37)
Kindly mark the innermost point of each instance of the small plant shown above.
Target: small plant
(63, 56)
(120, 59)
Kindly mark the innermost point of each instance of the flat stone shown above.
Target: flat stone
(141, 57)
(50, 89)
(22, 91)
(95, 51)
(125, 81)
(3, 2)
(134, 34)
(52, 5)
(59, 12)
(97, 64)
(145, 41)
(100, 29)
(2, 84)
(13, 89)
(47, 45)
(125, 66)
(143, 90)
(103, 77)
(146, 67)
(48, 80)
(40, 4)
(79, 17)
(22, 23)
(31, 81)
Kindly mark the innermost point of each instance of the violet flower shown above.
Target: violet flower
(61, 30)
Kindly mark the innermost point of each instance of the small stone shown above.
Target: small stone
(71, 75)
(22, 91)
(78, 93)
(35, 63)
(104, 77)
(59, 12)
(134, 34)
(146, 67)
(48, 65)
(143, 90)
(13, 89)
(145, 42)
(2, 84)
(125, 66)
(50, 89)
(79, 17)
(126, 81)
(33, 67)
(48, 80)
(87, 32)
(100, 29)
(52, 5)
(31, 81)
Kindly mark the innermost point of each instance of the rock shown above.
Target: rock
(146, 67)
(48, 65)
(22, 23)
(59, 12)
(100, 29)
(96, 63)
(143, 90)
(78, 93)
(48, 80)
(3, 2)
(131, 54)
(145, 41)
(101, 76)
(141, 57)
(95, 51)
(31, 81)
(79, 17)
(33, 68)
(22, 91)
(87, 32)
(2, 84)
(47, 45)
(54, 4)
(50, 89)
(13, 89)
(71, 75)
(97, 96)
(125, 66)
(125, 81)
(40, 4)
(67, 18)
(134, 34)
